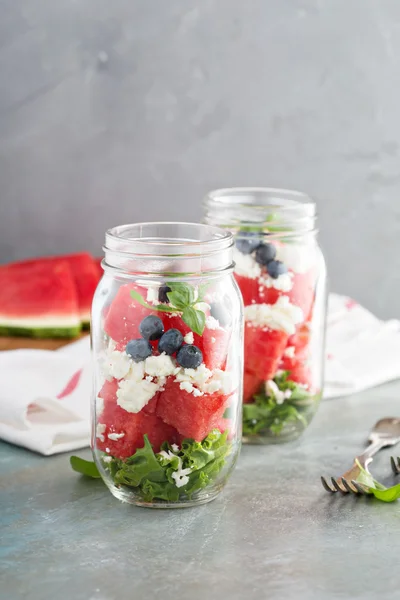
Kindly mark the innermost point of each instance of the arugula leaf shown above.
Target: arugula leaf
(375, 488)
(84, 467)
(151, 474)
(195, 319)
(266, 415)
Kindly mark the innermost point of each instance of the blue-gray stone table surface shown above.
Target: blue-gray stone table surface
(272, 533)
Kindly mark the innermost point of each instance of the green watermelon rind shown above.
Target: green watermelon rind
(41, 332)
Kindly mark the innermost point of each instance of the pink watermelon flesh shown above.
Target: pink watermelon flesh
(194, 417)
(123, 317)
(85, 275)
(133, 425)
(263, 350)
(251, 385)
(38, 299)
(214, 343)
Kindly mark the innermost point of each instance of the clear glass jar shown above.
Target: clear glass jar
(281, 273)
(167, 340)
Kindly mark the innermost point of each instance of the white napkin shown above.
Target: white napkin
(362, 350)
(45, 394)
(45, 397)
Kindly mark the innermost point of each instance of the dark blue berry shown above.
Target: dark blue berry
(220, 313)
(247, 242)
(162, 294)
(139, 349)
(189, 357)
(170, 342)
(265, 253)
(151, 328)
(276, 268)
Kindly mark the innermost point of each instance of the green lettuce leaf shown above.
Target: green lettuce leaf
(84, 467)
(373, 487)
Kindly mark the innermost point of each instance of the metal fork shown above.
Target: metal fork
(395, 462)
(385, 433)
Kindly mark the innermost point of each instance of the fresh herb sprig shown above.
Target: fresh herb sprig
(151, 474)
(266, 415)
(182, 298)
(373, 487)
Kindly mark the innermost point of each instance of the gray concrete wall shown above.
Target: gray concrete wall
(124, 110)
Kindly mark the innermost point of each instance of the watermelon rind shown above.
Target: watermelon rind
(41, 332)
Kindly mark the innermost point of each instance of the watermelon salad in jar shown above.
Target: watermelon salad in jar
(281, 273)
(167, 340)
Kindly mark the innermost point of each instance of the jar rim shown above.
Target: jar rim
(157, 237)
(269, 197)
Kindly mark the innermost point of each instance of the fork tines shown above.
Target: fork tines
(395, 462)
(343, 486)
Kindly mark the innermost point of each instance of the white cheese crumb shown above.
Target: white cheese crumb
(283, 283)
(282, 316)
(152, 295)
(189, 387)
(108, 450)
(189, 338)
(132, 396)
(99, 405)
(119, 364)
(272, 389)
(115, 436)
(297, 257)
(181, 476)
(246, 265)
(289, 352)
(212, 323)
(175, 447)
(159, 365)
(100, 429)
(107, 459)
(167, 454)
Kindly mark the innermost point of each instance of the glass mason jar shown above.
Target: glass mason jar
(167, 337)
(281, 273)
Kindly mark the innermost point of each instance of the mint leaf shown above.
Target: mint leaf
(375, 488)
(184, 291)
(84, 467)
(195, 319)
(161, 307)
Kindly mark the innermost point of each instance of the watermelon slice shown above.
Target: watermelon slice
(85, 275)
(125, 314)
(38, 299)
(263, 350)
(194, 417)
(249, 289)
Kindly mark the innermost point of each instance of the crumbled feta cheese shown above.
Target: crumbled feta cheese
(189, 387)
(107, 459)
(132, 396)
(108, 450)
(160, 365)
(297, 257)
(212, 323)
(195, 376)
(152, 295)
(282, 316)
(272, 389)
(100, 429)
(283, 283)
(115, 436)
(246, 265)
(167, 454)
(221, 381)
(289, 352)
(189, 338)
(118, 364)
(136, 372)
(99, 405)
(181, 476)
(175, 447)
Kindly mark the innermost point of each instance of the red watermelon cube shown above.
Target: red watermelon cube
(251, 385)
(263, 350)
(193, 416)
(122, 320)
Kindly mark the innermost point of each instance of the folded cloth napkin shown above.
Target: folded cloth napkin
(362, 350)
(45, 397)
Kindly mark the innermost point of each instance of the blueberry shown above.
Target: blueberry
(276, 268)
(247, 242)
(170, 342)
(162, 294)
(139, 349)
(265, 253)
(219, 312)
(151, 328)
(189, 357)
